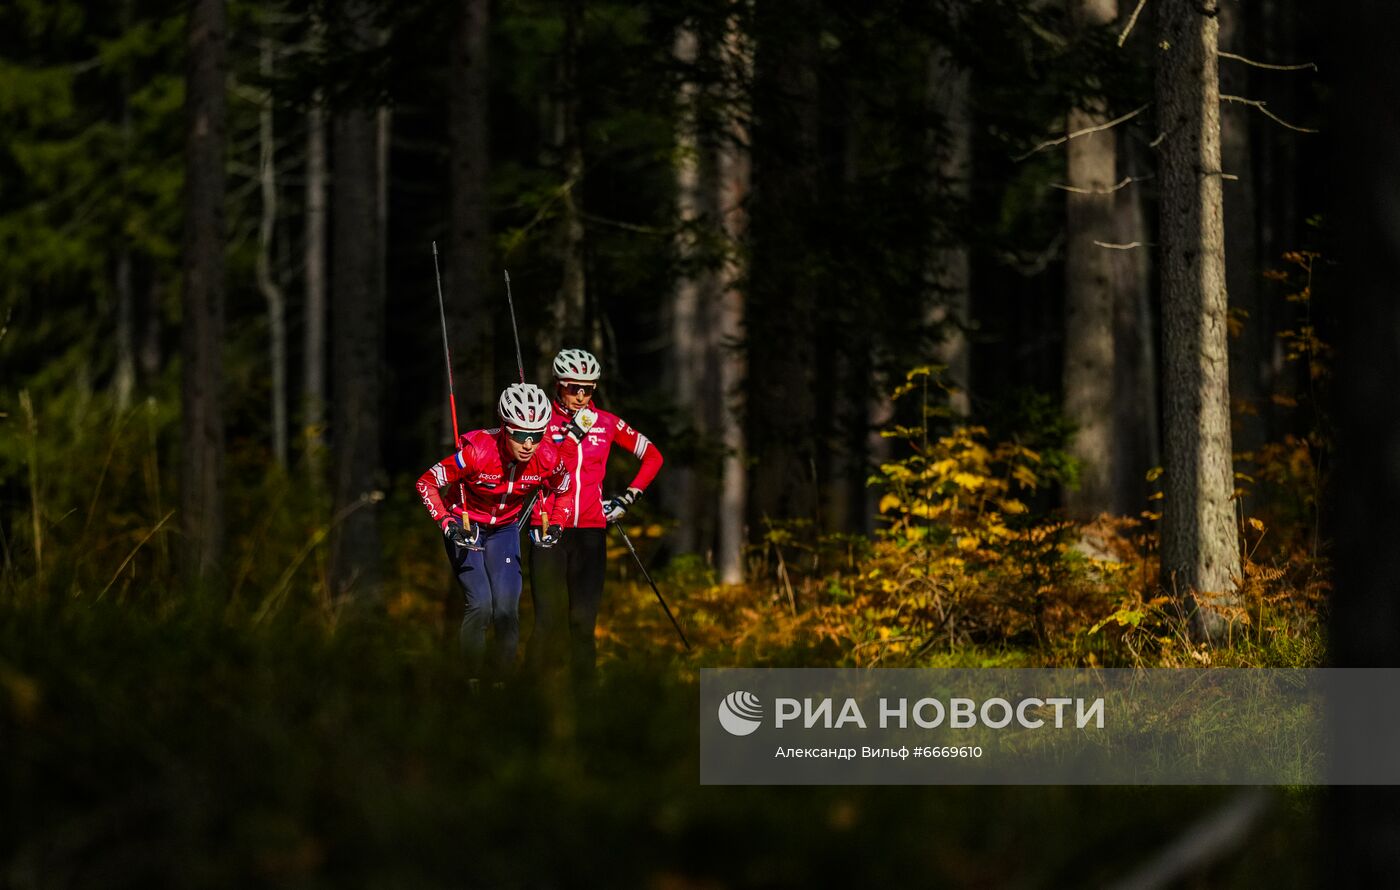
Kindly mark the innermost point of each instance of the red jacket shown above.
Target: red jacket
(495, 486)
(586, 459)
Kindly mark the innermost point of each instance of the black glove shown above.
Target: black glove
(467, 539)
(574, 431)
(546, 538)
(615, 506)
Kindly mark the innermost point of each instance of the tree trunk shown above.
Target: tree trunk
(950, 267)
(567, 327)
(1250, 348)
(314, 333)
(267, 282)
(1277, 172)
(780, 313)
(1090, 290)
(1363, 824)
(733, 173)
(151, 355)
(202, 328)
(690, 332)
(852, 337)
(1200, 554)
(470, 286)
(357, 352)
(1136, 442)
(124, 378)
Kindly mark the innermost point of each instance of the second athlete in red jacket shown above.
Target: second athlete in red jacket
(573, 572)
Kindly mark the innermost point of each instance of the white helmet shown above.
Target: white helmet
(575, 364)
(524, 406)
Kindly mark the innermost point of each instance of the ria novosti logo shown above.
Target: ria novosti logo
(740, 713)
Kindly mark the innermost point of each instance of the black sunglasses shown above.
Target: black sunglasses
(579, 389)
(525, 437)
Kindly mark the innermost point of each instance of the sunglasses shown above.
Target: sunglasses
(525, 437)
(579, 389)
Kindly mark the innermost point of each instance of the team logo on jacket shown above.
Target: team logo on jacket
(585, 418)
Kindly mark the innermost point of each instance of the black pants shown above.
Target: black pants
(567, 580)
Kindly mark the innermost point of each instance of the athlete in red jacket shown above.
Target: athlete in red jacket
(490, 479)
(584, 435)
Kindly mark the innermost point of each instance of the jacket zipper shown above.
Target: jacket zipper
(510, 483)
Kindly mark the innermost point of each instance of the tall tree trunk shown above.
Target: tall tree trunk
(690, 332)
(1250, 348)
(733, 174)
(1276, 170)
(1200, 553)
(1136, 442)
(949, 275)
(847, 502)
(780, 316)
(267, 281)
(1090, 289)
(1363, 823)
(357, 347)
(314, 332)
(202, 327)
(150, 354)
(383, 142)
(470, 325)
(567, 325)
(124, 378)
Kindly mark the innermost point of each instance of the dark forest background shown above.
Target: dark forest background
(1003, 333)
(867, 187)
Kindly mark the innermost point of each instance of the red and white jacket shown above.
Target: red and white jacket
(585, 453)
(495, 486)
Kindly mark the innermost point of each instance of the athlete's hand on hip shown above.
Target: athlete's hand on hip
(546, 538)
(463, 538)
(615, 506)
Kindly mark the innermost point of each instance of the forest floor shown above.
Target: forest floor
(172, 741)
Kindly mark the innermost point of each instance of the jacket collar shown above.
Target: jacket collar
(563, 409)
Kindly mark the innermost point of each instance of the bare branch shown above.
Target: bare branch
(1084, 132)
(1238, 58)
(1259, 104)
(1127, 180)
(1131, 245)
(1132, 20)
(627, 226)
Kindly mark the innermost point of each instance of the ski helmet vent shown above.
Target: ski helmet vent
(524, 406)
(575, 364)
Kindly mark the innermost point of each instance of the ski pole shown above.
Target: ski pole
(446, 351)
(519, 362)
(645, 574)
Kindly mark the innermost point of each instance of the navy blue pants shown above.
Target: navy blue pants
(491, 579)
